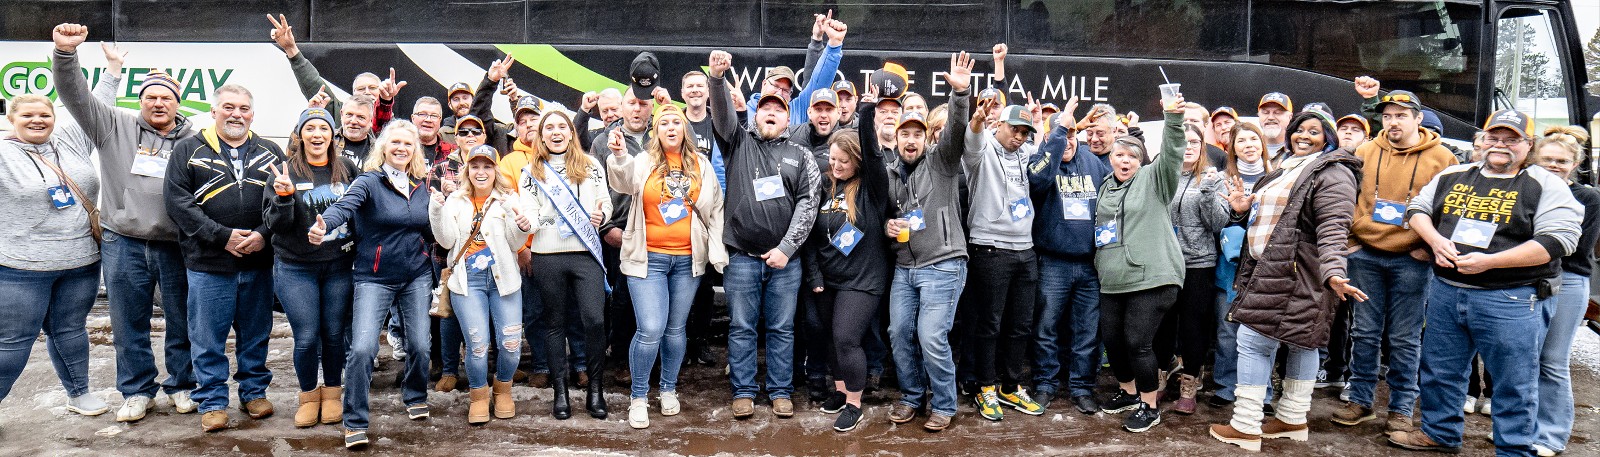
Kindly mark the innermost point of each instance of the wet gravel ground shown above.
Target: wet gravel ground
(33, 421)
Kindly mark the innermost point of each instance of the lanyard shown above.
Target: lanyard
(1377, 176)
(34, 150)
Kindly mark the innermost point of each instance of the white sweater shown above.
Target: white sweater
(452, 223)
(546, 219)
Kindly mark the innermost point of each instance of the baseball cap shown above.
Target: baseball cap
(909, 117)
(1017, 115)
(781, 72)
(1404, 98)
(994, 94)
(1365, 126)
(844, 86)
(645, 72)
(485, 151)
(891, 81)
(765, 97)
(666, 108)
(469, 117)
(458, 87)
(1510, 119)
(527, 103)
(1321, 110)
(1278, 98)
(1228, 110)
(1049, 108)
(824, 96)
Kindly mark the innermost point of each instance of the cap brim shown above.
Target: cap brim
(1269, 102)
(902, 124)
(780, 100)
(1024, 124)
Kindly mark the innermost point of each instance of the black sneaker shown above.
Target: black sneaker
(834, 404)
(1043, 398)
(1219, 402)
(1086, 404)
(849, 417)
(1142, 419)
(1120, 403)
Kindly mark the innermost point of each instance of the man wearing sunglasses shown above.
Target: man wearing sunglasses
(1389, 259)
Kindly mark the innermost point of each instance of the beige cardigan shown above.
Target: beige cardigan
(452, 222)
(627, 176)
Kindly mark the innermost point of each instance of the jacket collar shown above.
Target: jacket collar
(215, 142)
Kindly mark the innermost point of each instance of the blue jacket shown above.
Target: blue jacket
(1053, 189)
(816, 78)
(392, 228)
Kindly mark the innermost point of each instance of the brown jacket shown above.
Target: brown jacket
(1284, 294)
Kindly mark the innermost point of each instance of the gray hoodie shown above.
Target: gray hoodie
(997, 178)
(36, 235)
(1199, 211)
(930, 185)
(130, 204)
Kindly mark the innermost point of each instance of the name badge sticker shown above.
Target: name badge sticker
(1389, 212)
(1106, 234)
(61, 197)
(481, 260)
(1474, 233)
(915, 219)
(149, 163)
(1075, 209)
(673, 211)
(847, 238)
(768, 188)
(1021, 208)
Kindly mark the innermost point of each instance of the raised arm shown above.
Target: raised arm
(953, 141)
(821, 77)
(1169, 164)
(620, 164)
(305, 74)
(723, 121)
(97, 117)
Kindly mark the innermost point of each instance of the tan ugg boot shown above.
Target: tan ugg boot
(310, 408)
(332, 404)
(478, 411)
(504, 408)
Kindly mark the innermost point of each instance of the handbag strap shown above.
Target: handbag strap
(88, 204)
(477, 222)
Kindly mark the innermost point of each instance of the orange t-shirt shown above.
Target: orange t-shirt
(661, 188)
(476, 243)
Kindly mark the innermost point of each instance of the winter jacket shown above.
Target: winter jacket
(131, 203)
(628, 174)
(1284, 294)
(291, 216)
(930, 185)
(37, 236)
(208, 202)
(1581, 261)
(1400, 173)
(1055, 186)
(783, 222)
(451, 224)
(391, 228)
(1145, 254)
(1199, 211)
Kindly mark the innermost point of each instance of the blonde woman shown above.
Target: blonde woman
(674, 230)
(565, 192)
(482, 225)
(388, 205)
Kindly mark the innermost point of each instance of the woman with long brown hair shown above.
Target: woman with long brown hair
(674, 231)
(565, 192)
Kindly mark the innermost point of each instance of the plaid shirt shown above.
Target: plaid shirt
(1271, 200)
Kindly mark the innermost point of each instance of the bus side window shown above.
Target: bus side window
(1528, 74)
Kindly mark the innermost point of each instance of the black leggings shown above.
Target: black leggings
(1128, 324)
(1197, 318)
(568, 282)
(846, 314)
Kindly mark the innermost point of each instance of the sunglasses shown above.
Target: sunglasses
(474, 131)
(1398, 98)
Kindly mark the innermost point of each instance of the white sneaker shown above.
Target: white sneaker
(399, 346)
(669, 403)
(182, 403)
(639, 413)
(1543, 451)
(1344, 393)
(1483, 408)
(1471, 405)
(133, 408)
(88, 405)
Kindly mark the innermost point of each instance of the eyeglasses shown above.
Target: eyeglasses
(1492, 141)
(429, 116)
(469, 131)
(1398, 98)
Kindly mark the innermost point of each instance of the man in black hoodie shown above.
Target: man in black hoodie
(772, 202)
(216, 181)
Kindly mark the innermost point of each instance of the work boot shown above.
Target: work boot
(539, 380)
(1400, 422)
(937, 422)
(1227, 434)
(259, 408)
(743, 408)
(902, 413)
(446, 383)
(478, 410)
(332, 404)
(1277, 428)
(1352, 413)
(782, 407)
(213, 421)
(1417, 441)
(504, 406)
(310, 411)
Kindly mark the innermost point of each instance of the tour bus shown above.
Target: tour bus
(1464, 58)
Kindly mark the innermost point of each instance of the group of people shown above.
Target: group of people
(1286, 248)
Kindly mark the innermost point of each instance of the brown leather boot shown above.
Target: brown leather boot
(478, 410)
(332, 404)
(310, 408)
(1227, 434)
(1276, 428)
(504, 407)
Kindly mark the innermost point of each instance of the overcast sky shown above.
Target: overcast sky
(1588, 17)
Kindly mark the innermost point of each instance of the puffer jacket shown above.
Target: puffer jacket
(1284, 294)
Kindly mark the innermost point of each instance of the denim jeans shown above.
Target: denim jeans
(484, 316)
(450, 343)
(922, 307)
(1507, 328)
(760, 295)
(1225, 369)
(219, 302)
(1258, 354)
(135, 269)
(1392, 314)
(1564, 314)
(1070, 290)
(661, 303)
(372, 302)
(57, 302)
(316, 299)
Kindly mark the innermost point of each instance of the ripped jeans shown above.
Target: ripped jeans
(482, 305)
